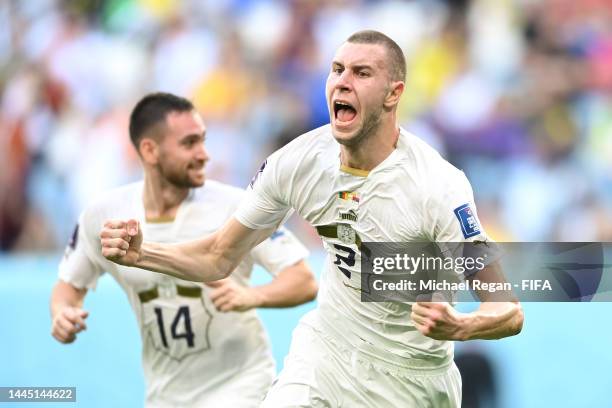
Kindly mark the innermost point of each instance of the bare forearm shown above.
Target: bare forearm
(207, 259)
(67, 315)
(294, 286)
(194, 261)
(211, 258)
(65, 295)
(494, 320)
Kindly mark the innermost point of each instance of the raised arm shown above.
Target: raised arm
(207, 259)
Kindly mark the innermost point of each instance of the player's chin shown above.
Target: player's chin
(345, 135)
(197, 178)
(345, 130)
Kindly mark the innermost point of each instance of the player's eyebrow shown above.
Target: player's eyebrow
(355, 67)
(360, 67)
(193, 136)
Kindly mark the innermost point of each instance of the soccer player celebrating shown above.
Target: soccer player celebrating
(203, 345)
(360, 179)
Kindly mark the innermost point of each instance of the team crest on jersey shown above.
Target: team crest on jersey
(350, 215)
(349, 196)
(468, 220)
(256, 176)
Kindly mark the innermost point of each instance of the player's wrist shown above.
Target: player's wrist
(57, 309)
(466, 326)
(145, 256)
(258, 299)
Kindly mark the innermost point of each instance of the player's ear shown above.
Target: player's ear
(396, 88)
(149, 150)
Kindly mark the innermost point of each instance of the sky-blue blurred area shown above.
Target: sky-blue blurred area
(517, 93)
(561, 359)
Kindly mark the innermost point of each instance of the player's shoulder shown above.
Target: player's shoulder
(119, 202)
(216, 191)
(431, 167)
(306, 153)
(308, 144)
(116, 198)
(436, 177)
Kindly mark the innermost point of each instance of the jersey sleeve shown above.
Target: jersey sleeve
(281, 250)
(265, 204)
(79, 266)
(452, 212)
(453, 222)
(452, 218)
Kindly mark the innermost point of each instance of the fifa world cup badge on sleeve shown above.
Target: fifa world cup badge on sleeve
(468, 221)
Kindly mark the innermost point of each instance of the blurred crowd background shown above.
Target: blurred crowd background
(518, 93)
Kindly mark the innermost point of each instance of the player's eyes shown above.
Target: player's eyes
(337, 70)
(363, 74)
(190, 143)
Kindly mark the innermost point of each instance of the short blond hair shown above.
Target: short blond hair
(397, 66)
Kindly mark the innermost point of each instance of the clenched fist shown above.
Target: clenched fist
(229, 296)
(67, 323)
(121, 241)
(439, 320)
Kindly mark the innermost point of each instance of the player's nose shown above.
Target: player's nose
(201, 153)
(344, 83)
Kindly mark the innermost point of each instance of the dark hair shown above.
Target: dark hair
(397, 67)
(151, 110)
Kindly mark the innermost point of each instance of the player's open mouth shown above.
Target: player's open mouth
(344, 113)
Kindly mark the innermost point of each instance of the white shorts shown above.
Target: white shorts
(320, 372)
(245, 390)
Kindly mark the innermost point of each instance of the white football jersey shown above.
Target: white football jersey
(413, 195)
(189, 349)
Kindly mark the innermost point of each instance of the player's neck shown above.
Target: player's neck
(372, 151)
(162, 199)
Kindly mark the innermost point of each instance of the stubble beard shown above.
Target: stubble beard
(177, 178)
(368, 128)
